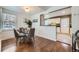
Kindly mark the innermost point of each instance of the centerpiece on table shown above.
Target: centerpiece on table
(28, 22)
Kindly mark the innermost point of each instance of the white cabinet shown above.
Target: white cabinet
(61, 12)
(48, 32)
(65, 26)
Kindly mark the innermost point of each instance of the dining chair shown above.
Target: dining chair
(21, 30)
(31, 36)
(75, 41)
(19, 36)
(77, 44)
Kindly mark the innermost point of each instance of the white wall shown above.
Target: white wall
(20, 20)
(75, 18)
(36, 24)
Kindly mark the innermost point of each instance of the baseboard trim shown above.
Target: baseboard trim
(63, 42)
(46, 38)
(53, 40)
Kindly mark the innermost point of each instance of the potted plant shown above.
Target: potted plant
(28, 22)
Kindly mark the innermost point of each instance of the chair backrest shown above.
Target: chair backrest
(77, 33)
(31, 33)
(21, 30)
(15, 32)
(77, 41)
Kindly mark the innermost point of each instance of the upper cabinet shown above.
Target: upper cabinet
(53, 17)
(60, 12)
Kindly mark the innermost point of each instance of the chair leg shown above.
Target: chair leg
(17, 43)
(33, 42)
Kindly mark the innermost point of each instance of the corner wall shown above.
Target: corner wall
(75, 18)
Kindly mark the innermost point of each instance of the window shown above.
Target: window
(8, 21)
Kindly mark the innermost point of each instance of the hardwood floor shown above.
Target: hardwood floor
(41, 45)
(7, 43)
(62, 47)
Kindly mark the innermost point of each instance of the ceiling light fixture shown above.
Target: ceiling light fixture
(27, 9)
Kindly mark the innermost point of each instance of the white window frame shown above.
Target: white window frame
(9, 21)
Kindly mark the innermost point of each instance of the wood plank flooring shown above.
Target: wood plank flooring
(40, 45)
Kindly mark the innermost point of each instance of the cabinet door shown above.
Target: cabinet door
(65, 25)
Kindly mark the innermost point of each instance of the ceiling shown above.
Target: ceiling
(33, 9)
(44, 7)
